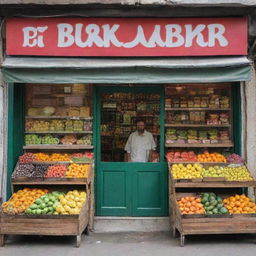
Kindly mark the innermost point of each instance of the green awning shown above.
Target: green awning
(123, 70)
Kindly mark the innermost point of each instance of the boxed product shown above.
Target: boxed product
(85, 111)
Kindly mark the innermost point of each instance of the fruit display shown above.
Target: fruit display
(68, 125)
(239, 204)
(211, 157)
(85, 140)
(196, 136)
(189, 171)
(27, 158)
(190, 205)
(184, 156)
(54, 157)
(56, 171)
(57, 125)
(49, 139)
(78, 125)
(40, 170)
(22, 199)
(68, 139)
(82, 157)
(37, 126)
(235, 159)
(32, 139)
(239, 173)
(71, 203)
(213, 204)
(24, 170)
(45, 204)
(78, 171)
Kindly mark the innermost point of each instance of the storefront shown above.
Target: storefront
(180, 76)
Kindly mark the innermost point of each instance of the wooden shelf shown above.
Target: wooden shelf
(224, 184)
(59, 117)
(198, 125)
(60, 162)
(198, 109)
(199, 145)
(53, 181)
(60, 132)
(203, 163)
(57, 147)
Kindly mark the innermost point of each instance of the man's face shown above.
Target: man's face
(140, 127)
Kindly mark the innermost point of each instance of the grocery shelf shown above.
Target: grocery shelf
(57, 147)
(59, 117)
(199, 145)
(60, 132)
(198, 109)
(198, 125)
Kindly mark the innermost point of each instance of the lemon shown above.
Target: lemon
(63, 201)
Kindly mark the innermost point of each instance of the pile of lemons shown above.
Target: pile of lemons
(189, 171)
(71, 203)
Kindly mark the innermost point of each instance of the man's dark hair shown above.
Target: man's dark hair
(140, 120)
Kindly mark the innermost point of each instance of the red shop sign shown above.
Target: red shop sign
(127, 36)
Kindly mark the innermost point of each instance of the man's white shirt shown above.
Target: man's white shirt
(139, 146)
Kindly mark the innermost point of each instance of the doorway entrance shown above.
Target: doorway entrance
(129, 188)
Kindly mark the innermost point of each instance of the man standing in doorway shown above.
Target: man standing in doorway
(140, 144)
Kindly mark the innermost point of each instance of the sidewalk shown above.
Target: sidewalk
(131, 244)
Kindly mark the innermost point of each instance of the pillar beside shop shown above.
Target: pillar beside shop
(249, 122)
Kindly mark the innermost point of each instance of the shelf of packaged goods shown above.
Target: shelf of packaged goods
(199, 125)
(58, 147)
(218, 184)
(59, 132)
(197, 109)
(199, 145)
(60, 117)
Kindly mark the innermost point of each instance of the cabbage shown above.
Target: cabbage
(48, 111)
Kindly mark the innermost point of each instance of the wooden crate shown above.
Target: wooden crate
(51, 225)
(214, 224)
(59, 225)
(196, 224)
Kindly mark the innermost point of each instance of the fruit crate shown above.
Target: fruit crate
(217, 181)
(50, 225)
(59, 225)
(202, 224)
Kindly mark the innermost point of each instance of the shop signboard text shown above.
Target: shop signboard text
(127, 37)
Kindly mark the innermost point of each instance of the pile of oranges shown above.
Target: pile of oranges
(191, 205)
(211, 157)
(77, 171)
(55, 157)
(239, 204)
(22, 199)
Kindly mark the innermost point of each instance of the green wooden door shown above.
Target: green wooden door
(130, 189)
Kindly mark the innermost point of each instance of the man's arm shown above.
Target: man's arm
(128, 148)
(153, 148)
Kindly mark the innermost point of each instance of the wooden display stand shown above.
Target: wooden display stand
(59, 225)
(200, 224)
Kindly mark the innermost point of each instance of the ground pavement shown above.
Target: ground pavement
(131, 244)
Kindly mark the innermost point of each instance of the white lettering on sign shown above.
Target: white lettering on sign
(170, 36)
(32, 37)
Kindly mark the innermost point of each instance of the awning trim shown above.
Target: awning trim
(91, 63)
